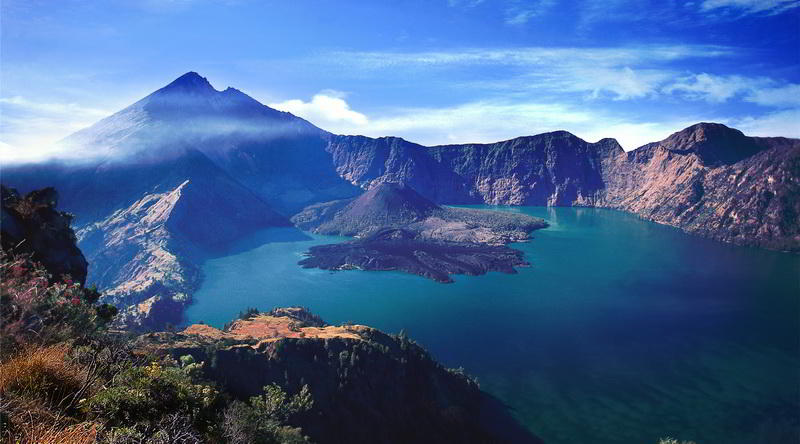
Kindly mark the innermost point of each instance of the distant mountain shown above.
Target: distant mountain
(249, 166)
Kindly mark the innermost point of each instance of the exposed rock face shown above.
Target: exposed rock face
(368, 387)
(714, 181)
(549, 169)
(32, 225)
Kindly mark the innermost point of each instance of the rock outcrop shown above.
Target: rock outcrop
(31, 224)
(367, 386)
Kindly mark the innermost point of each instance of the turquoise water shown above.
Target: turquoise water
(622, 331)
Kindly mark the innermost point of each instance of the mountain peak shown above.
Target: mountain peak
(191, 81)
(714, 143)
(390, 197)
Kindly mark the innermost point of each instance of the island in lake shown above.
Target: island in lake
(395, 228)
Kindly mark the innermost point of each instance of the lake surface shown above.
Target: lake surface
(622, 331)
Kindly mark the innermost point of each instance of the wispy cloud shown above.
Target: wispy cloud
(762, 7)
(781, 123)
(464, 3)
(525, 56)
(488, 121)
(622, 73)
(717, 89)
(521, 13)
(30, 127)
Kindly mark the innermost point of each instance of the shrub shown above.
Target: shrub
(147, 394)
(263, 420)
(34, 308)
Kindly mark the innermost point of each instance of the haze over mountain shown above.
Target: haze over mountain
(188, 169)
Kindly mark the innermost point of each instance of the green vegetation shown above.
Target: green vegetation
(263, 419)
(64, 378)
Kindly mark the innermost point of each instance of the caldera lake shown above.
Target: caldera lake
(622, 331)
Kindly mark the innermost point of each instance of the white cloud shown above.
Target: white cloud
(328, 109)
(62, 109)
(707, 87)
(766, 7)
(484, 122)
(618, 73)
(491, 121)
(787, 95)
(717, 89)
(782, 123)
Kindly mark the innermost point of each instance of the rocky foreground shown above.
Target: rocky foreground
(367, 386)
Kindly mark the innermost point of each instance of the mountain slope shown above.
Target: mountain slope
(712, 180)
(547, 169)
(154, 246)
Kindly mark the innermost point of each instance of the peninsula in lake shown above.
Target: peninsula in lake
(398, 229)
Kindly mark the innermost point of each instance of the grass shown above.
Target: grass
(43, 374)
(83, 433)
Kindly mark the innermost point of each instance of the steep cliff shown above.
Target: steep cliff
(714, 181)
(547, 169)
(367, 386)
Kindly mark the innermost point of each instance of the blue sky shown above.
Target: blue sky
(433, 71)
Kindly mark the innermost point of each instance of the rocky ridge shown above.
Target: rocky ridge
(707, 179)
